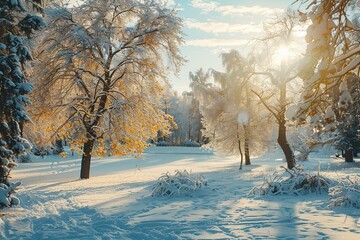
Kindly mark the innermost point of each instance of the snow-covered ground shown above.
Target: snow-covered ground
(115, 203)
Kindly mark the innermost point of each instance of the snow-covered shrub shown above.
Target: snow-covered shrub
(24, 158)
(182, 183)
(58, 147)
(295, 181)
(301, 156)
(347, 193)
(42, 151)
(6, 195)
(307, 138)
(190, 143)
(163, 144)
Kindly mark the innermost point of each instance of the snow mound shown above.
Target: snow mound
(346, 194)
(190, 143)
(182, 183)
(294, 181)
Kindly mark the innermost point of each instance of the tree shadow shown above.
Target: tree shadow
(125, 210)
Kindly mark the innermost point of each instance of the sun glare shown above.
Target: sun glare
(283, 53)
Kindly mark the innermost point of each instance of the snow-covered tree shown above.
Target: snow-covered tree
(332, 55)
(17, 25)
(279, 32)
(238, 71)
(193, 116)
(231, 120)
(348, 129)
(333, 51)
(305, 139)
(220, 114)
(104, 65)
(185, 110)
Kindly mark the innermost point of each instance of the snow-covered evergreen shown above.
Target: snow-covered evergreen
(347, 137)
(17, 25)
(6, 195)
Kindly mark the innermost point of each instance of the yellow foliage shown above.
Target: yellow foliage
(131, 80)
(63, 154)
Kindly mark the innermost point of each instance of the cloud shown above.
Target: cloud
(206, 6)
(214, 42)
(212, 6)
(254, 10)
(222, 27)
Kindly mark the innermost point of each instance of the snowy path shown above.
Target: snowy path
(115, 202)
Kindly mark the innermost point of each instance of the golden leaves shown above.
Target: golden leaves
(150, 40)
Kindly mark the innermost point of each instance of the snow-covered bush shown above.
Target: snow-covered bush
(42, 150)
(301, 156)
(347, 193)
(24, 158)
(163, 144)
(295, 181)
(58, 147)
(6, 197)
(190, 143)
(182, 183)
(304, 140)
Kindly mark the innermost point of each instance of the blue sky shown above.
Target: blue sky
(215, 26)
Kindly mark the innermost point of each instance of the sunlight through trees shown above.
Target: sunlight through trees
(104, 66)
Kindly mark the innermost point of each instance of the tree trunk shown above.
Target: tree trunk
(282, 140)
(240, 151)
(91, 134)
(86, 159)
(246, 143)
(247, 126)
(241, 155)
(349, 157)
(189, 130)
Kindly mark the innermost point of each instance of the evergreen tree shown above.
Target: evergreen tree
(348, 139)
(17, 25)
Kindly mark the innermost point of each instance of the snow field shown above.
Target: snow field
(116, 202)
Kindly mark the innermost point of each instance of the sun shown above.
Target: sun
(283, 53)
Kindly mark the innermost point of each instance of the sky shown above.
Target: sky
(215, 26)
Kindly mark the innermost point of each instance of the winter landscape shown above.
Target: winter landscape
(189, 119)
(116, 202)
